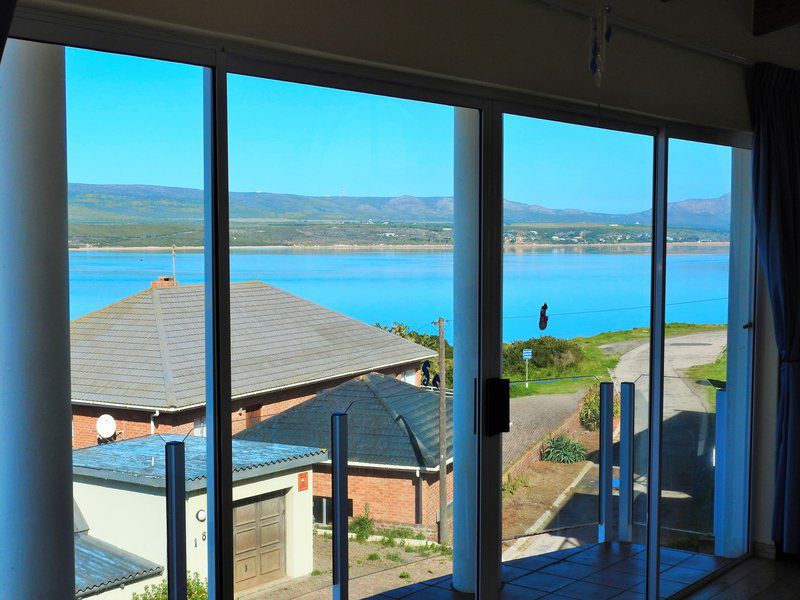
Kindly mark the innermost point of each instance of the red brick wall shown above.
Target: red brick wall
(391, 495)
(136, 423)
(430, 495)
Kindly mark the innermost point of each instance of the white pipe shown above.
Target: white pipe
(153, 422)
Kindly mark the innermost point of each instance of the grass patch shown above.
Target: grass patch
(513, 485)
(405, 575)
(594, 363)
(373, 556)
(394, 557)
(715, 374)
(403, 533)
(316, 572)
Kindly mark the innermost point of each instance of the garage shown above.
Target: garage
(259, 528)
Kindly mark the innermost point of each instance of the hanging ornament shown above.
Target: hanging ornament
(543, 318)
(599, 37)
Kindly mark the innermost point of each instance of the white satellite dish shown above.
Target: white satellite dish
(106, 427)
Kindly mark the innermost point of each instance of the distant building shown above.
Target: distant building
(120, 488)
(142, 359)
(393, 446)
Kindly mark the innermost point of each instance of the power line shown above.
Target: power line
(605, 310)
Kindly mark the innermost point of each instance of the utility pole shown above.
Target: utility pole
(173, 262)
(443, 536)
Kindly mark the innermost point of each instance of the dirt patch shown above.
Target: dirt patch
(373, 566)
(540, 484)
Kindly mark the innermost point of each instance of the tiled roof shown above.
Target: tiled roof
(148, 350)
(141, 460)
(390, 422)
(100, 566)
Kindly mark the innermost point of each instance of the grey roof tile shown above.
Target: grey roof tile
(149, 349)
(390, 422)
(142, 459)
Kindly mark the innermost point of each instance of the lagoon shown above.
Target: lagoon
(588, 290)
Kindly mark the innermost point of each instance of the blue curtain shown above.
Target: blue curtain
(775, 112)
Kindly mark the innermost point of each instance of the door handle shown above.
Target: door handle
(497, 406)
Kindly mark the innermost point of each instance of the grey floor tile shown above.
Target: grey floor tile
(543, 582)
(569, 569)
(585, 590)
(617, 579)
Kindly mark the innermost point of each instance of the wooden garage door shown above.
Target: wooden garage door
(259, 541)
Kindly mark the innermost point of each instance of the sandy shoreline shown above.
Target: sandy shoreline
(385, 247)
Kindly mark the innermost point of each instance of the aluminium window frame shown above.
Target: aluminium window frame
(222, 55)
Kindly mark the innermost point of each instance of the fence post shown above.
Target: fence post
(339, 494)
(627, 403)
(175, 456)
(605, 527)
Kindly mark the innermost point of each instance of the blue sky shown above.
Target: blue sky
(133, 120)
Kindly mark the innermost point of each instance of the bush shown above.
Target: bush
(590, 408)
(405, 575)
(196, 589)
(363, 525)
(555, 356)
(563, 449)
(373, 556)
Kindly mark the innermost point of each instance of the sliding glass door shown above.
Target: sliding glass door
(577, 238)
(580, 268)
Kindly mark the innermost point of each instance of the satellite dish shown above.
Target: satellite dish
(106, 427)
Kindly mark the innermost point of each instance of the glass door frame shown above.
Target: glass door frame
(221, 56)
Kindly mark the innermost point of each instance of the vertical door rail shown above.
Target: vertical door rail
(627, 397)
(340, 504)
(175, 456)
(605, 529)
(219, 461)
(657, 296)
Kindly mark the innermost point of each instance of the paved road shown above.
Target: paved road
(680, 353)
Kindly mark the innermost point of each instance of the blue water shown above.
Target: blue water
(587, 291)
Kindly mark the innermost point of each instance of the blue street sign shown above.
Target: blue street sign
(527, 354)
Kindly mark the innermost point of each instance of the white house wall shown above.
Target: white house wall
(133, 517)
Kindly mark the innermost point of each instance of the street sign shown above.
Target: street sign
(527, 354)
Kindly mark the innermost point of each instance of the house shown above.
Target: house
(103, 568)
(120, 488)
(142, 359)
(393, 446)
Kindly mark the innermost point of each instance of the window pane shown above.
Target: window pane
(705, 426)
(135, 150)
(342, 267)
(576, 314)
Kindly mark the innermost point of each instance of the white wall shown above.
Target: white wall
(519, 44)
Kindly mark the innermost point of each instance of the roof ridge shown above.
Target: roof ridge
(422, 452)
(169, 382)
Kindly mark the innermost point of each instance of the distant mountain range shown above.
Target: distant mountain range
(90, 203)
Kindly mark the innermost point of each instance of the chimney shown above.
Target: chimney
(164, 281)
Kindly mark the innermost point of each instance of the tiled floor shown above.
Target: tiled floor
(594, 572)
(755, 579)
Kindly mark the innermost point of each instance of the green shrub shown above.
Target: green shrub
(316, 572)
(196, 589)
(511, 486)
(552, 356)
(590, 408)
(405, 575)
(388, 542)
(563, 449)
(373, 556)
(363, 525)
(394, 557)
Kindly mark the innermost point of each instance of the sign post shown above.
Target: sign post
(527, 354)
